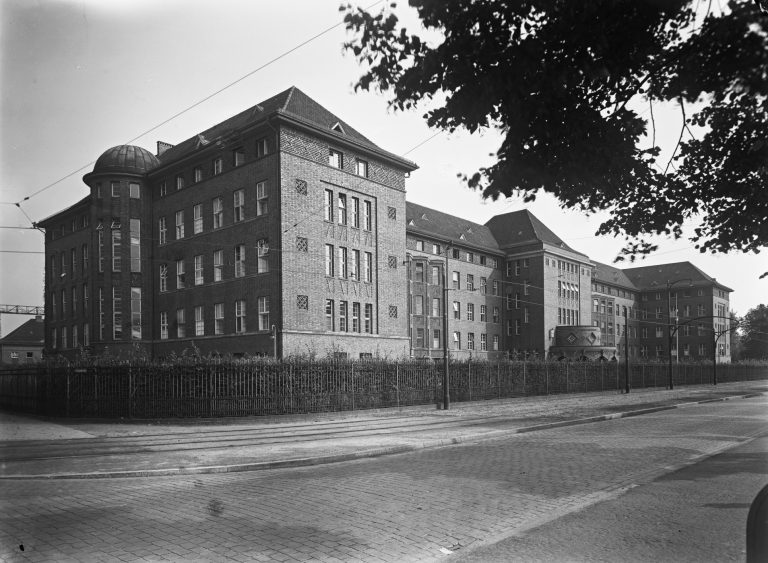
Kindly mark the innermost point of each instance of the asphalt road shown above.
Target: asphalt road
(610, 491)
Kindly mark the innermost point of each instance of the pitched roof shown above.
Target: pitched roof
(443, 226)
(653, 277)
(31, 333)
(292, 103)
(520, 227)
(611, 274)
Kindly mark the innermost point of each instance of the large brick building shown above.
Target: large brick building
(284, 231)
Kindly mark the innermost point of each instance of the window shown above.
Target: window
(218, 212)
(355, 317)
(436, 275)
(180, 281)
(199, 269)
(329, 260)
(456, 310)
(342, 266)
(470, 282)
(496, 314)
(367, 267)
(335, 158)
(238, 156)
(435, 338)
(163, 278)
(343, 316)
(368, 326)
(162, 229)
(64, 337)
(86, 337)
(457, 341)
(342, 209)
(517, 326)
(435, 306)
(418, 304)
(63, 303)
(199, 321)
(239, 260)
(263, 304)
(163, 189)
(700, 310)
(367, 216)
(362, 168)
(133, 190)
(435, 248)
(419, 338)
(456, 278)
(101, 314)
(470, 311)
(238, 204)
(135, 313)
(197, 174)
(483, 342)
(483, 286)
(135, 248)
(329, 205)
(509, 301)
(702, 350)
(179, 225)
(495, 342)
(420, 245)
(117, 314)
(117, 262)
(218, 264)
(354, 266)
(73, 260)
(354, 211)
(262, 256)
(218, 166)
(470, 341)
(262, 199)
(659, 332)
(85, 298)
(218, 318)
(495, 287)
(179, 182)
(240, 315)
(197, 216)
(115, 188)
(659, 351)
(74, 301)
(329, 320)
(262, 147)
(483, 313)
(525, 287)
(181, 326)
(419, 274)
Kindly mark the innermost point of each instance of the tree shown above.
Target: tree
(560, 80)
(754, 338)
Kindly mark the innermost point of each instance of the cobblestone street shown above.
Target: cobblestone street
(413, 506)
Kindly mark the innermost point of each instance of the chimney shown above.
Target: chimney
(162, 146)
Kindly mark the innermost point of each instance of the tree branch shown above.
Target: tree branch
(682, 130)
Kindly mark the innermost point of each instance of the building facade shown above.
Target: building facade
(284, 231)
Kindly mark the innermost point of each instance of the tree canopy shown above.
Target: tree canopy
(556, 77)
(754, 339)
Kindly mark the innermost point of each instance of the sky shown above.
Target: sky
(79, 77)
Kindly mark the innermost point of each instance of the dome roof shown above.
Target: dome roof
(125, 158)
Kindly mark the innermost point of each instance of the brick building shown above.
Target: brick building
(284, 231)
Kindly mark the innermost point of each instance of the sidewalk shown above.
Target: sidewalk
(63, 448)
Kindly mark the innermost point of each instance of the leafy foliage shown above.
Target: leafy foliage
(754, 340)
(557, 77)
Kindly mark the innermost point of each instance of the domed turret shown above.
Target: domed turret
(125, 159)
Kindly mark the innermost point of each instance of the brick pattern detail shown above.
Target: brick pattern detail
(301, 187)
(302, 244)
(302, 302)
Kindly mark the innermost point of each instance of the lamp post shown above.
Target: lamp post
(626, 351)
(446, 392)
(669, 322)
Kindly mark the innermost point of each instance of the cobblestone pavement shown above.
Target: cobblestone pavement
(407, 507)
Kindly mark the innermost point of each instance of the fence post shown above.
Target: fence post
(498, 379)
(67, 405)
(352, 382)
(469, 377)
(546, 377)
(397, 383)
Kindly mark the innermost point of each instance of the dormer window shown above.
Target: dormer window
(362, 168)
(335, 158)
(338, 128)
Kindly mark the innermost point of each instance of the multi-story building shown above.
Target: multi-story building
(284, 231)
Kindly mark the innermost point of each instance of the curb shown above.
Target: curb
(364, 454)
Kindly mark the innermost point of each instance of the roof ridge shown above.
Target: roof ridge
(288, 98)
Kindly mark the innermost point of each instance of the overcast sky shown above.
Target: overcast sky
(79, 77)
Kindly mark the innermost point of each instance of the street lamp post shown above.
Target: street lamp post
(626, 351)
(446, 392)
(669, 323)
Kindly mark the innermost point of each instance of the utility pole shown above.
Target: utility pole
(446, 392)
(626, 351)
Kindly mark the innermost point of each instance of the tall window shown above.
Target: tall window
(435, 306)
(368, 326)
(483, 314)
(240, 316)
(135, 228)
(343, 316)
(74, 301)
(63, 303)
(342, 209)
(239, 260)
(470, 341)
(456, 310)
(456, 280)
(163, 188)
(367, 212)
(181, 324)
(135, 313)
(262, 147)
(179, 224)
(102, 324)
(262, 250)
(197, 174)
(457, 341)
(483, 286)
(86, 334)
(133, 190)
(354, 211)
(85, 298)
(262, 199)
(179, 183)
(180, 279)
(163, 278)
(218, 264)
(163, 325)
(470, 311)
(329, 260)
(342, 266)
(354, 266)
(483, 342)
(328, 205)
(367, 267)
(199, 321)
(218, 318)
(117, 259)
(495, 287)
(197, 214)
(263, 313)
(64, 343)
(117, 314)
(199, 269)
(436, 338)
(218, 213)
(418, 304)
(73, 260)
(355, 317)
(84, 259)
(496, 314)
(329, 320)
(238, 203)
(362, 168)
(238, 156)
(335, 158)
(162, 230)
(115, 188)
(218, 166)
(470, 282)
